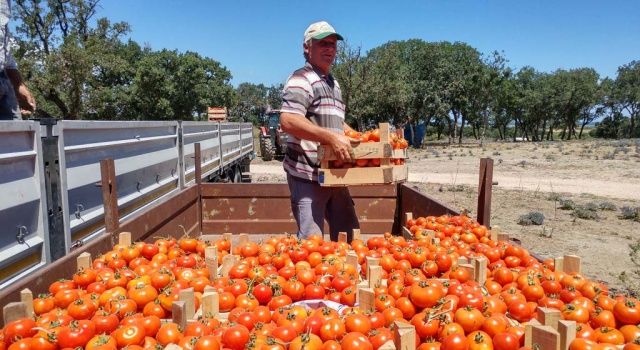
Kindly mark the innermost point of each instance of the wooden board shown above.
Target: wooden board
(363, 176)
(363, 150)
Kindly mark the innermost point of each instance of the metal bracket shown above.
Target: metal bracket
(79, 210)
(22, 234)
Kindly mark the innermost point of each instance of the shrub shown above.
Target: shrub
(630, 213)
(532, 218)
(584, 213)
(554, 197)
(593, 206)
(607, 206)
(567, 204)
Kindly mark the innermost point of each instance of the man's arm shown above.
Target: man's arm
(23, 94)
(303, 128)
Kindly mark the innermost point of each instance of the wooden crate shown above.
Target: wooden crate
(383, 174)
(363, 176)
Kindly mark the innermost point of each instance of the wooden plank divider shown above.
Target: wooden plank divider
(210, 304)
(188, 296)
(389, 345)
(548, 316)
(366, 299)
(375, 276)
(404, 336)
(124, 239)
(480, 269)
(26, 296)
(545, 337)
(558, 264)
(356, 234)
(406, 233)
(572, 264)
(179, 314)
(13, 311)
(83, 261)
(352, 259)
(407, 216)
(211, 260)
(528, 331)
(227, 263)
(567, 330)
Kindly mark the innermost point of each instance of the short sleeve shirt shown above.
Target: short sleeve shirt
(317, 97)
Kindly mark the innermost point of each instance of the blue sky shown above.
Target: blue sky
(261, 41)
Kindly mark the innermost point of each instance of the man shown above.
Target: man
(312, 113)
(11, 84)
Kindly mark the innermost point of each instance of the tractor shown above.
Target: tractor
(273, 141)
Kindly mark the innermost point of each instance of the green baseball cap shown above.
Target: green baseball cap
(320, 30)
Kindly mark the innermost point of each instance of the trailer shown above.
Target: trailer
(51, 200)
(216, 208)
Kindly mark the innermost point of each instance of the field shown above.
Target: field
(587, 176)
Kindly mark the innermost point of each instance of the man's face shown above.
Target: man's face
(322, 52)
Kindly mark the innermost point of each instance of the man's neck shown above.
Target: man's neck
(319, 70)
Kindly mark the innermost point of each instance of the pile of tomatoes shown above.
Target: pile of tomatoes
(124, 299)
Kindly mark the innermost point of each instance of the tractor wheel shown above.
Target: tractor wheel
(267, 149)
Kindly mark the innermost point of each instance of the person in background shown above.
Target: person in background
(15, 97)
(312, 113)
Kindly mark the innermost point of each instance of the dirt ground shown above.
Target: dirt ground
(540, 177)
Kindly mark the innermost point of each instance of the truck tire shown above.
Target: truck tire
(267, 149)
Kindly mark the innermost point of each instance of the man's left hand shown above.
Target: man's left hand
(25, 100)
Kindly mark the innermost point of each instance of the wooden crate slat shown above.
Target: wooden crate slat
(362, 176)
(362, 150)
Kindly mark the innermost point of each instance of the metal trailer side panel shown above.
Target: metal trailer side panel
(246, 137)
(24, 242)
(146, 158)
(207, 134)
(230, 142)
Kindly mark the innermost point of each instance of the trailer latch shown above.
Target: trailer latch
(22, 234)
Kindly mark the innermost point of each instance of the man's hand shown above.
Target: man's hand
(341, 146)
(25, 100)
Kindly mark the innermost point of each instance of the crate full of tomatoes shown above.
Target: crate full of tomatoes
(379, 158)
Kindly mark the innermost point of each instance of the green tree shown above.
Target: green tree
(169, 85)
(626, 94)
(60, 51)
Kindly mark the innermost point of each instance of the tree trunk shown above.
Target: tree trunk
(515, 130)
(455, 126)
(461, 130)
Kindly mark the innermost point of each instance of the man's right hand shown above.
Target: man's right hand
(341, 146)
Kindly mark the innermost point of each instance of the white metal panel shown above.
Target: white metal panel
(24, 237)
(145, 154)
(247, 138)
(230, 142)
(208, 135)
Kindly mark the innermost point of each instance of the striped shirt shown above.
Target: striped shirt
(317, 97)
(6, 59)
